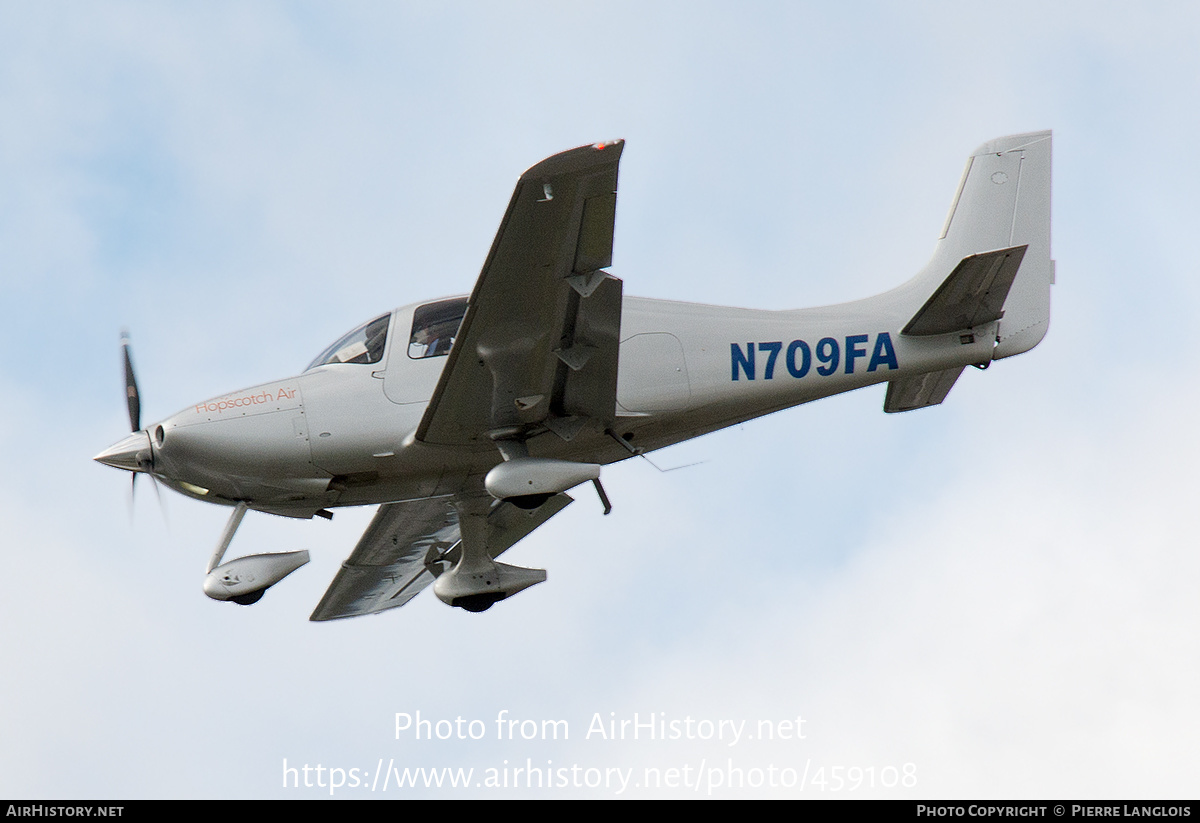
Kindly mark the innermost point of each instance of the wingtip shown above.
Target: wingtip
(581, 157)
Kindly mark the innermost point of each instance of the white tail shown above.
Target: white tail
(1003, 202)
(992, 263)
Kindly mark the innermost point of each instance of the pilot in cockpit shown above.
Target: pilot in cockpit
(426, 342)
(434, 328)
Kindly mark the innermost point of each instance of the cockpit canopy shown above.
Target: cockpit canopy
(434, 328)
(363, 345)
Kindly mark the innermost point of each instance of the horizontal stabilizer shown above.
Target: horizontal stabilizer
(971, 296)
(920, 391)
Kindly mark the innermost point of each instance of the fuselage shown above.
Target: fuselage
(342, 433)
(470, 418)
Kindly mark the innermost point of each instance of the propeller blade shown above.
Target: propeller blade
(132, 397)
(162, 504)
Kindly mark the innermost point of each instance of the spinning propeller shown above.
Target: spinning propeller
(134, 453)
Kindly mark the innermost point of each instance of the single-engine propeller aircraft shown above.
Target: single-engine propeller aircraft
(468, 419)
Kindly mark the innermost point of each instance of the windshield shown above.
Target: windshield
(363, 345)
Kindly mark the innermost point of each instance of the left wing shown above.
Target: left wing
(409, 544)
(538, 346)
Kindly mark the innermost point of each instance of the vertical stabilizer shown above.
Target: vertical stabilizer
(1003, 202)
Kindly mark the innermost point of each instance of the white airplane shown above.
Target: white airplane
(469, 418)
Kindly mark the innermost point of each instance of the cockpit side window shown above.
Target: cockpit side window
(363, 345)
(434, 328)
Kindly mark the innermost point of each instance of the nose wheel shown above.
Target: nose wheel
(245, 580)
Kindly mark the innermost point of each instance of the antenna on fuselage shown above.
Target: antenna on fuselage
(638, 452)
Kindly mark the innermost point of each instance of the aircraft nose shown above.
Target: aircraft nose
(129, 453)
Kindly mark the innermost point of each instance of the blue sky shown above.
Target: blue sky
(998, 591)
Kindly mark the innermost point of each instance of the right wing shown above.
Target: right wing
(409, 544)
